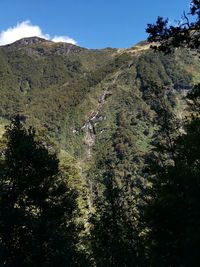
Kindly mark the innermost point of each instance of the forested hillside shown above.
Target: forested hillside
(75, 95)
(106, 114)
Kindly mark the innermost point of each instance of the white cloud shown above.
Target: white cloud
(26, 29)
(65, 39)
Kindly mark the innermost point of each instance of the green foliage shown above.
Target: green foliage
(164, 70)
(37, 207)
(114, 234)
(115, 239)
(58, 88)
(185, 34)
(173, 215)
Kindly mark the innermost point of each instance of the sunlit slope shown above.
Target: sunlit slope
(75, 95)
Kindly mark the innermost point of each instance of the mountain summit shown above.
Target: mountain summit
(28, 41)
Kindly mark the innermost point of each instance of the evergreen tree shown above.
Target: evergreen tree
(37, 207)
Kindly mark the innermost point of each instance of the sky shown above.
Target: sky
(87, 23)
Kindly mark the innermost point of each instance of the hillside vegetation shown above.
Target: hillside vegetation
(75, 95)
(101, 118)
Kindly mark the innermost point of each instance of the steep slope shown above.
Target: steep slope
(75, 95)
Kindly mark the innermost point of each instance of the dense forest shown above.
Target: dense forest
(100, 151)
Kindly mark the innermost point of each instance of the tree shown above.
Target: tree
(37, 207)
(185, 34)
(172, 214)
(115, 235)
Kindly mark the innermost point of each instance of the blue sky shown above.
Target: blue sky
(91, 23)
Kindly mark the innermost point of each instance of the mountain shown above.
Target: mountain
(83, 98)
(102, 111)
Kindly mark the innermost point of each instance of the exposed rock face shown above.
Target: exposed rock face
(40, 46)
(26, 42)
(89, 139)
(95, 116)
(65, 48)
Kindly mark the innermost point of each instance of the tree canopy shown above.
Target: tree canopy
(37, 206)
(186, 33)
(172, 214)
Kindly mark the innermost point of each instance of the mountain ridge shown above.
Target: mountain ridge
(27, 41)
(61, 87)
